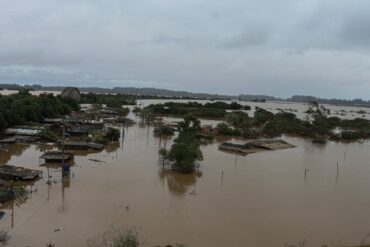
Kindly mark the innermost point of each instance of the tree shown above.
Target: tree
(113, 134)
(185, 150)
(191, 124)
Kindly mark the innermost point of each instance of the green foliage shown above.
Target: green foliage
(288, 123)
(191, 124)
(352, 135)
(262, 116)
(357, 123)
(319, 140)
(247, 108)
(112, 134)
(4, 238)
(50, 244)
(136, 109)
(111, 100)
(47, 135)
(208, 110)
(117, 238)
(163, 130)
(185, 150)
(21, 108)
(250, 133)
(238, 119)
(147, 116)
(224, 129)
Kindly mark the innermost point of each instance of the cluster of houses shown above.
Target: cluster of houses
(74, 132)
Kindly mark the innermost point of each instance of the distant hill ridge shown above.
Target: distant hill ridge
(185, 94)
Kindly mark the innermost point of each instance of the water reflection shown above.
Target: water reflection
(13, 150)
(45, 147)
(112, 147)
(65, 184)
(179, 184)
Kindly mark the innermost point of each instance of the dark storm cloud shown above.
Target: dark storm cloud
(279, 47)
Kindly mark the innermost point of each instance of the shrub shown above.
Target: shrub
(112, 134)
(47, 135)
(163, 130)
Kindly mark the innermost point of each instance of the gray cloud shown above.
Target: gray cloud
(278, 47)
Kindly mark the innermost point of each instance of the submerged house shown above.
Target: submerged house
(83, 145)
(8, 172)
(57, 157)
(21, 134)
(256, 146)
(79, 131)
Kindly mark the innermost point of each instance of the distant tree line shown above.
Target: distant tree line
(111, 100)
(209, 110)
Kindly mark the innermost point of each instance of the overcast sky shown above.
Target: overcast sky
(274, 47)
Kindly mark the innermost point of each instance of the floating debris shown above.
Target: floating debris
(95, 160)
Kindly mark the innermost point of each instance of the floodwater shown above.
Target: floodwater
(263, 199)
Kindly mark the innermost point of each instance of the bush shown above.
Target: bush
(163, 130)
(238, 119)
(185, 150)
(47, 135)
(319, 140)
(117, 238)
(224, 129)
(247, 108)
(262, 116)
(112, 134)
(351, 135)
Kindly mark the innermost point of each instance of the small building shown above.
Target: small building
(255, 146)
(23, 131)
(79, 130)
(72, 93)
(8, 172)
(57, 157)
(18, 138)
(83, 145)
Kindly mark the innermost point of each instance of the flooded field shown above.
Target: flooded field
(299, 109)
(262, 199)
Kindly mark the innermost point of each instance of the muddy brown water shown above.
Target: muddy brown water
(262, 199)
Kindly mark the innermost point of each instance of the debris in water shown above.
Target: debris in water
(95, 160)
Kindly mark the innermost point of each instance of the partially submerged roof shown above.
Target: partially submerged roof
(256, 146)
(53, 120)
(17, 138)
(14, 172)
(22, 131)
(56, 155)
(88, 145)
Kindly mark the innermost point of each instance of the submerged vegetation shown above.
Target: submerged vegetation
(185, 151)
(215, 110)
(109, 135)
(110, 100)
(118, 238)
(164, 130)
(316, 125)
